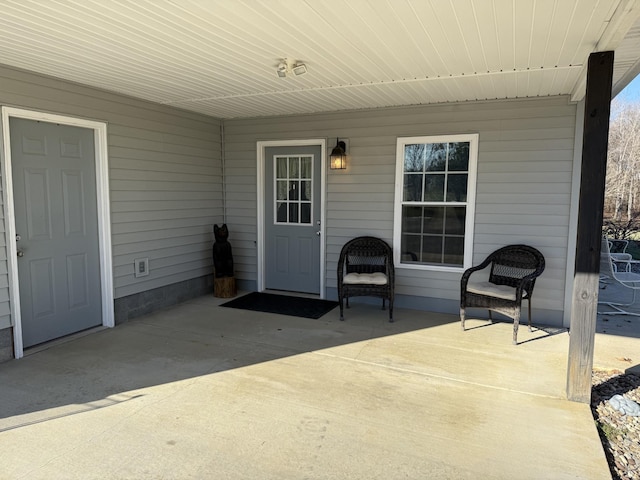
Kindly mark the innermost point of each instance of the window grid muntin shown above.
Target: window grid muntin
(293, 205)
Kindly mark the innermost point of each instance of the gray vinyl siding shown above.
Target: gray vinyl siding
(525, 165)
(165, 179)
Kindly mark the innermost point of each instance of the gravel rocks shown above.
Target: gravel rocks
(620, 434)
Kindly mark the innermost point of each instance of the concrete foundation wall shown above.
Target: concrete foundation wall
(143, 303)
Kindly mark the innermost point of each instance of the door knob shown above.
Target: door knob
(318, 232)
(20, 253)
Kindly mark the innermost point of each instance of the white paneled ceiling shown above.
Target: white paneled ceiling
(219, 57)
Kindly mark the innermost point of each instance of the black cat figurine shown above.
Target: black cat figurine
(222, 256)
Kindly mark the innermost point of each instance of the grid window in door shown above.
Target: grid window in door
(293, 187)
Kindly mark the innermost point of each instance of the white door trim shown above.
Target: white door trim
(104, 220)
(260, 255)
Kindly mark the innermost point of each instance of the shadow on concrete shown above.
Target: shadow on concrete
(548, 330)
(186, 341)
(618, 324)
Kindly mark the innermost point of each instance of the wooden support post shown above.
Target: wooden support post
(224, 287)
(592, 183)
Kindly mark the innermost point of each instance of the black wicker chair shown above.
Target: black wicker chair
(365, 268)
(513, 274)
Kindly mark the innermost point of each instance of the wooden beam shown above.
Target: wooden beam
(591, 205)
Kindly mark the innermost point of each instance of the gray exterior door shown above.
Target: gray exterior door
(292, 218)
(54, 191)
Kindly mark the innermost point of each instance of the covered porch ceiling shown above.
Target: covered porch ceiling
(220, 57)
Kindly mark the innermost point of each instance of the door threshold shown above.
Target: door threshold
(62, 340)
(291, 294)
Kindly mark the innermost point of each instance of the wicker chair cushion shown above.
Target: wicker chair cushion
(377, 278)
(492, 290)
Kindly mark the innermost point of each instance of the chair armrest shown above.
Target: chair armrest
(391, 270)
(621, 260)
(524, 281)
(467, 273)
(621, 257)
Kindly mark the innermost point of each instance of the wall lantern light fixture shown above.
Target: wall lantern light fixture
(338, 157)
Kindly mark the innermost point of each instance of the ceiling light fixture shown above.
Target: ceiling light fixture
(282, 69)
(299, 69)
(286, 68)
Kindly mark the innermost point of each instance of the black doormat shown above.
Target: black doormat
(282, 304)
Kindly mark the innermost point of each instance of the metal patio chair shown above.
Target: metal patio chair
(616, 271)
(619, 255)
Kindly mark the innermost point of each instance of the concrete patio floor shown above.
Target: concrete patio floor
(199, 391)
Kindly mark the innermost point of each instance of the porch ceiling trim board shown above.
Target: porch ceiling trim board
(619, 32)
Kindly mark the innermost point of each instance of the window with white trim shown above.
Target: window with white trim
(435, 201)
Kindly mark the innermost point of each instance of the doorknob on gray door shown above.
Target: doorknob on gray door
(20, 253)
